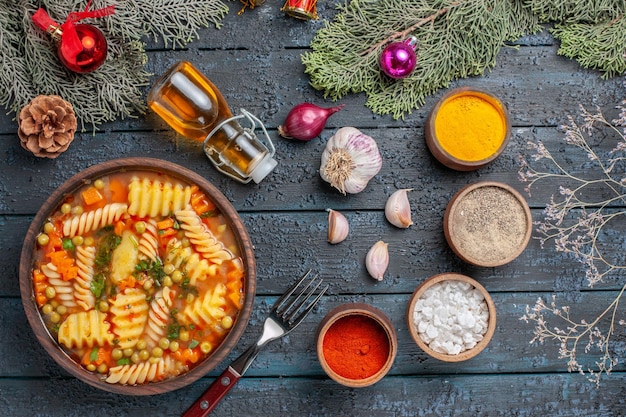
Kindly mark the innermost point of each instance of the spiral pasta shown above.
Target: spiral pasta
(153, 198)
(201, 237)
(149, 242)
(142, 372)
(85, 329)
(208, 309)
(196, 268)
(93, 220)
(64, 289)
(158, 317)
(130, 314)
(85, 259)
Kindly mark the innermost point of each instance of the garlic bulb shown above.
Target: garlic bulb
(350, 160)
(377, 260)
(338, 227)
(398, 209)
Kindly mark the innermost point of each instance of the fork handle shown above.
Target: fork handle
(209, 399)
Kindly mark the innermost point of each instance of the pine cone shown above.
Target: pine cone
(46, 126)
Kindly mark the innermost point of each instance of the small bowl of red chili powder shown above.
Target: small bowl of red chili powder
(356, 344)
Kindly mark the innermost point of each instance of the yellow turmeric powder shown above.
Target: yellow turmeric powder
(470, 126)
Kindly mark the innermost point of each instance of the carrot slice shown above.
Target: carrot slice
(165, 223)
(91, 196)
(119, 192)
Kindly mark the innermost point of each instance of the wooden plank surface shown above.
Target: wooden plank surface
(254, 60)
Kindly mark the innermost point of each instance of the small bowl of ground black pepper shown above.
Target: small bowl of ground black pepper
(451, 317)
(356, 345)
(487, 224)
(467, 129)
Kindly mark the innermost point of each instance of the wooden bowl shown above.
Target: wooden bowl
(458, 156)
(151, 167)
(487, 224)
(440, 280)
(381, 354)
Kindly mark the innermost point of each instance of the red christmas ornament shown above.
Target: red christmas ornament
(82, 47)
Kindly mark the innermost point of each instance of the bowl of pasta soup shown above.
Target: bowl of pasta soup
(137, 276)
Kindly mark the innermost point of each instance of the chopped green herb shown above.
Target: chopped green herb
(209, 213)
(68, 244)
(193, 343)
(123, 361)
(154, 269)
(93, 356)
(97, 285)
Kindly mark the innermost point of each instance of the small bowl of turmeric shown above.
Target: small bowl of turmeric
(356, 345)
(467, 129)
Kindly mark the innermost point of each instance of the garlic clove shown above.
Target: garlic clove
(377, 260)
(338, 227)
(398, 209)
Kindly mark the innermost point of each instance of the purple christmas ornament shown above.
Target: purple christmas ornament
(398, 59)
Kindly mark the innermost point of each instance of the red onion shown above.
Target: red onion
(306, 121)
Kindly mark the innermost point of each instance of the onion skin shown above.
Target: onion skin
(306, 121)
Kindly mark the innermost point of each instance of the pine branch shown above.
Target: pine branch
(460, 42)
(596, 46)
(30, 66)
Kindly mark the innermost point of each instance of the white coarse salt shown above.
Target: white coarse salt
(451, 317)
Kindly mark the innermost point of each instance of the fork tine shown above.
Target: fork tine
(278, 304)
(299, 300)
(294, 321)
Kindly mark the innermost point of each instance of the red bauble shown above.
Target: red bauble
(92, 54)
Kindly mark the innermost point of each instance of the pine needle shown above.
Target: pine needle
(29, 65)
(458, 39)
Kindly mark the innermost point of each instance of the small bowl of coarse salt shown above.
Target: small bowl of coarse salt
(451, 317)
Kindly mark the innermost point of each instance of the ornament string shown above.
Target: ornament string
(71, 44)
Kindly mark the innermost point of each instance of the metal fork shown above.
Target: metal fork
(285, 315)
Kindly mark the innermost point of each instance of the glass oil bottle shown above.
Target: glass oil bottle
(193, 106)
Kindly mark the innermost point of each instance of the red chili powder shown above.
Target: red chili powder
(356, 347)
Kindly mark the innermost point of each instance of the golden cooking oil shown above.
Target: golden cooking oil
(192, 105)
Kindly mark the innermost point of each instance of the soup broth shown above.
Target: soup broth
(138, 276)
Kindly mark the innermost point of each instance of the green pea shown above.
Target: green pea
(103, 368)
(177, 276)
(141, 345)
(169, 268)
(227, 322)
(48, 227)
(103, 306)
(50, 292)
(164, 343)
(61, 309)
(183, 335)
(43, 239)
(99, 184)
(135, 358)
(174, 346)
(167, 281)
(78, 240)
(128, 352)
(55, 317)
(117, 354)
(157, 352)
(66, 208)
(91, 367)
(47, 309)
(144, 355)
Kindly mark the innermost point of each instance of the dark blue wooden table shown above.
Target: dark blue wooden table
(255, 61)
